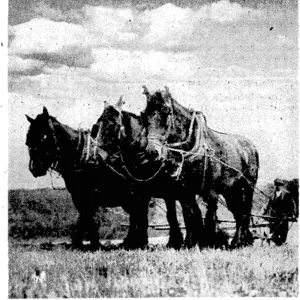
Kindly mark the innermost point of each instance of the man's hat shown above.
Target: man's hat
(278, 181)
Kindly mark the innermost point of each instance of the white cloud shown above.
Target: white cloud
(168, 25)
(168, 42)
(17, 65)
(46, 36)
(108, 26)
(225, 11)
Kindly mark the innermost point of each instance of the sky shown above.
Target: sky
(235, 61)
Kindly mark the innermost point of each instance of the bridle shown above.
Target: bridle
(53, 154)
(154, 137)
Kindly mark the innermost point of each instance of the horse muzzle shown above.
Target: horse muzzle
(37, 171)
(155, 150)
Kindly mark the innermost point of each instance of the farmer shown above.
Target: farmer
(280, 207)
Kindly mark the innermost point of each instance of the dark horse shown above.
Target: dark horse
(91, 183)
(122, 136)
(207, 162)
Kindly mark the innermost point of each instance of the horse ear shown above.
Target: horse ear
(30, 120)
(120, 103)
(167, 97)
(167, 91)
(146, 92)
(45, 111)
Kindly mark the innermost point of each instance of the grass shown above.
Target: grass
(253, 271)
(49, 213)
(43, 215)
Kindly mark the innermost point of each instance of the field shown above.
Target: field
(258, 271)
(41, 265)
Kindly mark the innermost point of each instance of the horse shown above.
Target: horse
(79, 160)
(209, 163)
(121, 135)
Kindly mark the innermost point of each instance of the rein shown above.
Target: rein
(140, 179)
(91, 148)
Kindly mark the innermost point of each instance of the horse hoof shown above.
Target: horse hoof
(176, 246)
(76, 247)
(131, 246)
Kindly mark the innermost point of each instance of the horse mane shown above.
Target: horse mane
(67, 128)
(129, 127)
(186, 112)
(130, 114)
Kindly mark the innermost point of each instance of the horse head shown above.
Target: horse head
(41, 143)
(109, 127)
(159, 121)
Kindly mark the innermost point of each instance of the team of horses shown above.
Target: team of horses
(168, 152)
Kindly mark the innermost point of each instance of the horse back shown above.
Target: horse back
(234, 152)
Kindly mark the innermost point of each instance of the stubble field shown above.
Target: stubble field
(41, 265)
(254, 271)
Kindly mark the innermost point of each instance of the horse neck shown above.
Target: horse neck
(67, 140)
(182, 119)
(133, 130)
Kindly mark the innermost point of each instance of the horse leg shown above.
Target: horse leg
(138, 231)
(210, 220)
(141, 216)
(78, 233)
(129, 239)
(241, 207)
(187, 216)
(176, 238)
(193, 222)
(198, 227)
(93, 232)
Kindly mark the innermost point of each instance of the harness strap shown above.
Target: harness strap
(88, 147)
(204, 171)
(200, 146)
(140, 179)
(177, 144)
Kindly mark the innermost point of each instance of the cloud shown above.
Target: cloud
(168, 25)
(19, 66)
(109, 26)
(56, 42)
(46, 36)
(165, 42)
(225, 11)
(44, 10)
